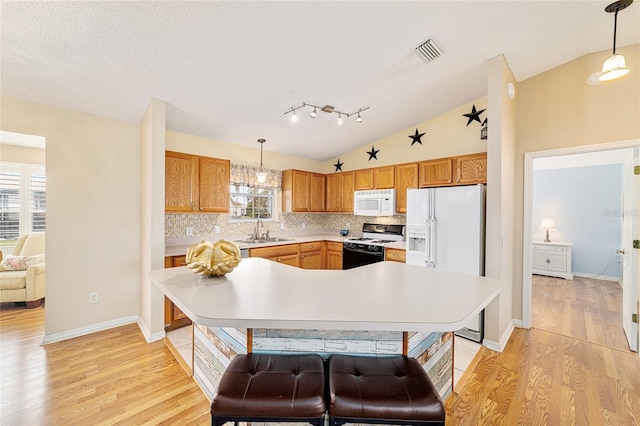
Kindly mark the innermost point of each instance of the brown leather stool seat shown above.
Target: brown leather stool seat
(392, 390)
(271, 388)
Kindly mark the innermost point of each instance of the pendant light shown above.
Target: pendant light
(615, 65)
(261, 175)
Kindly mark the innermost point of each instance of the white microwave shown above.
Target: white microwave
(375, 202)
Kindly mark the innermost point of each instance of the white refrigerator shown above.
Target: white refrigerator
(445, 230)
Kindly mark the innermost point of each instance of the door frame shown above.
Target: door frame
(527, 237)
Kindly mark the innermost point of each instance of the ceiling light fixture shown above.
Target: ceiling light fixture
(328, 109)
(615, 66)
(261, 175)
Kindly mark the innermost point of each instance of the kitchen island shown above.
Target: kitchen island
(380, 309)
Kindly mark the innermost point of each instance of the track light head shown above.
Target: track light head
(359, 119)
(340, 119)
(313, 114)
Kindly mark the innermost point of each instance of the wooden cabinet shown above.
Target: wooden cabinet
(334, 255)
(406, 177)
(552, 259)
(395, 255)
(214, 185)
(311, 255)
(436, 172)
(339, 189)
(377, 178)
(462, 170)
(180, 182)
(173, 317)
(302, 191)
(470, 169)
(196, 184)
(287, 254)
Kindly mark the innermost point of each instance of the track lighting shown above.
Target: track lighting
(328, 109)
(615, 66)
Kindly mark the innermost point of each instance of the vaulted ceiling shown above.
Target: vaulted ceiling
(230, 70)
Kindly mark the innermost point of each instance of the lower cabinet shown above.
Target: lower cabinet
(311, 255)
(552, 259)
(173, 317)
(334, 255)
(287, 254)
(395, 255)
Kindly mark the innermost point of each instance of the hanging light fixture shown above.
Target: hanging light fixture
(615, 65)
(261, 175)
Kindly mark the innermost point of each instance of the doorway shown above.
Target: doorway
(625, 154)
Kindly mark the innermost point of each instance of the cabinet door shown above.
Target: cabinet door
(289, 259)
(406, 177)
(334, 260)
(395, 255)
(540, 258)
(317, 192)
(364, 179)
(311, 260)
(333, 193)
(214, 184)
(436, 172)
(301, 196)
(384, 177)
(346, 191)
(470, 169)
(180, 182)
(558, 261)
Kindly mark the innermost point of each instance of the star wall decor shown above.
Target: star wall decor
(474, 115)
(338, 166)
(373, 153)
(416, 137)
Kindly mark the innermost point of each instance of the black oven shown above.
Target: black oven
(360, 254)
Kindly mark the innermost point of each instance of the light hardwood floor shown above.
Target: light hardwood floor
(115, 377)
(584, 308)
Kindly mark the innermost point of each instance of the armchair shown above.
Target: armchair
(27, 285)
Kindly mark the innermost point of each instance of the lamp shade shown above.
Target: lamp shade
(614, 67)
(547, 225)
(261, 176)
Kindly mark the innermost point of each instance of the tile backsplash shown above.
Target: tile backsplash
(204, 224)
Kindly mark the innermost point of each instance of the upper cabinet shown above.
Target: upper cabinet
(196, 184)
(406, 177)
(302, 191)
(462, 170)
(376, 178)
(340, 187)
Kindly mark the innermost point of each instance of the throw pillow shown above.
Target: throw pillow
(20, 263)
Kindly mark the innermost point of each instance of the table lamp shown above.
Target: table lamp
(547, 225)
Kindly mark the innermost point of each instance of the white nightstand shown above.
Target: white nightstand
(552, 259)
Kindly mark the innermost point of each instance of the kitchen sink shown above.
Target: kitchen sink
(264, 240)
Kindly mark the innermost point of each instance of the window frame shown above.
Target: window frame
(273, 196)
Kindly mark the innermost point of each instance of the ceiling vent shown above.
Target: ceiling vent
(429, 50)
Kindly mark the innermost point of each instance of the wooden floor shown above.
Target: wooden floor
(584, 308)
(115, 377)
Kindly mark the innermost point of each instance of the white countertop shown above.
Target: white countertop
(384, 296)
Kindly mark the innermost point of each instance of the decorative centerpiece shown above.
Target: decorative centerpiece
(213, 259)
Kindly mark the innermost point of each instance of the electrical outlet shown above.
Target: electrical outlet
(216, 229)
(189, 231)
(93, 297)
(304, 225)
(281, 226)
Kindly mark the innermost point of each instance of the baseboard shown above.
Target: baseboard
(601, 277)
(517, 323)
(504, 339)
(82, 331)
(150, 338)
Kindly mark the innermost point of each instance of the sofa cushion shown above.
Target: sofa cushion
(33, 245)
(20, 263)
(13, 280)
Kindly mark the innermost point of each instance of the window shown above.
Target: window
(249, 203)
(22, 200)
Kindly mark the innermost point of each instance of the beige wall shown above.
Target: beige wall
(182, 142)
(557, 109)
(93, 212)
(445, 135)
(21, 154)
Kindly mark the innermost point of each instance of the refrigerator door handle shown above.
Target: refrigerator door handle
(432, 243)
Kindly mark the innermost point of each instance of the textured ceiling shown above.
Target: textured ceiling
(229, 70)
